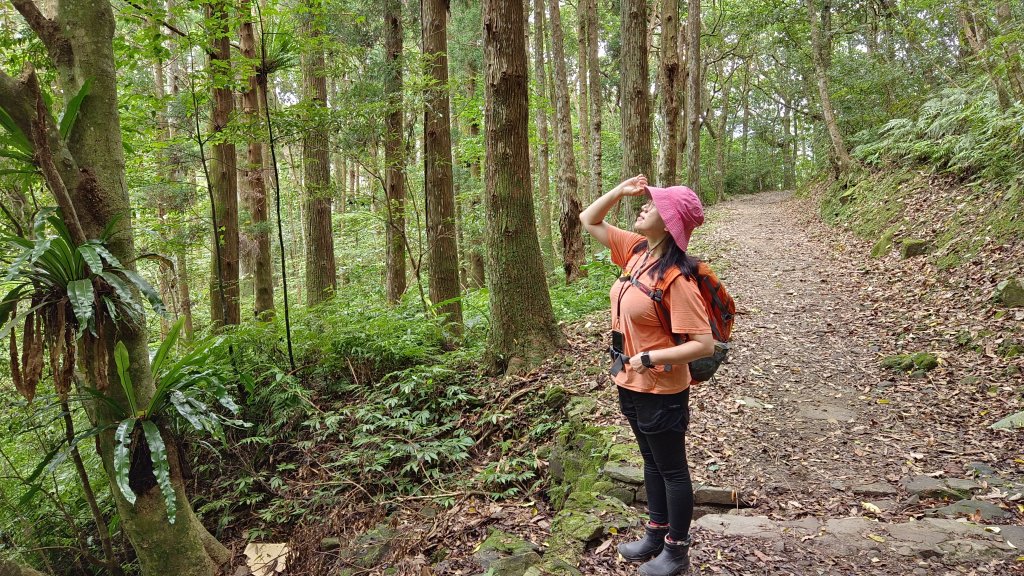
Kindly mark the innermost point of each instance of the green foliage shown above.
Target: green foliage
(961, 131)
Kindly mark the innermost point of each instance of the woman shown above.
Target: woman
(650, 364)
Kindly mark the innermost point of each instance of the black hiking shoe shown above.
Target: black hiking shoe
(673, 560)
(649, 545)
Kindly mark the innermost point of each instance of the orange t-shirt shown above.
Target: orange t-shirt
(635, 315)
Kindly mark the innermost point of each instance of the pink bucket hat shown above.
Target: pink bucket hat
(681, 210)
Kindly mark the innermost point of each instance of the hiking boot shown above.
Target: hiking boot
(649, 545)
(673, 560)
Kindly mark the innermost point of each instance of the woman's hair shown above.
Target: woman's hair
(674, 256)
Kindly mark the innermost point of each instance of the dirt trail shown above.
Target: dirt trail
(809, 427)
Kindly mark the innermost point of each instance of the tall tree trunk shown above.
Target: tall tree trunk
(583, 109)
(788, 145)
(321, 271)
(523, 330)
(722, 144)
(596, 98)
(443, 252)
(394, 153)
(694, 90)
(819, 41)
(974, 29)
(224, 303)
(90, 162)
(569, 215)
(252, 172)
(636, 98)
(543, 143)
(668, 82)
(475, 250)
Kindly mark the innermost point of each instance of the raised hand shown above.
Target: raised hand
(635, 186)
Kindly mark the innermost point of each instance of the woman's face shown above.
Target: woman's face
(649, 220)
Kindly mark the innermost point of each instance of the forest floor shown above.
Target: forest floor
(805, 423)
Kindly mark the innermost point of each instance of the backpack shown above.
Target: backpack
(720, 307)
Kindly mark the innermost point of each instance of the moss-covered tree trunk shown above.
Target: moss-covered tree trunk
(821, 52)
(543, 158)
(668, 92)
(321, 270)
(636, 97)
(252, 172)
(79, 40)
(568, 196)
(442, 243)
(523, 330)
(223, 172)
(394, 153)
(693, 96)
(596, 99)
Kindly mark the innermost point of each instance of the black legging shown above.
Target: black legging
(659, 422)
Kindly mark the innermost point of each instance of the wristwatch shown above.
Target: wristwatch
(645, 359)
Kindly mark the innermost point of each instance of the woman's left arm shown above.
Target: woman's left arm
(698, 346)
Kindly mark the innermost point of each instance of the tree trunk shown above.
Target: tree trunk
(694, 90)
(252, 172)
(668, 82)
(1004, 17)
(788, 146)
(582, 65)
(636, 98)
(596, 99)
(321, 271)
(819, 41)
(722, 144)
(543, 147)
(523, 331)
(91, 164)
(569, 215)
(394, 154)
(224, 304)
(443, 252)
(974, 31)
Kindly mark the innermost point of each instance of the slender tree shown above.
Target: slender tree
(668, 92)
(821, 52)
(569, 213)
(694, 89)
(224, 304)
(582, 99)
(253, 171)
(394, 153)
(523, 329)
(89, 166)
(321, 271)
(596, 97)
(443, 254)
(636, 98)
(540, 78)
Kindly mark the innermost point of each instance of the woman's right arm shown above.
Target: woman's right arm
(593, 217)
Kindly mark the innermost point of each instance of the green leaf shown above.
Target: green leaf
(9, 302)
(165, 347)
(91, 257)
(18, 138)
(122, 361)
(161, 467)
(187, 412)
(81, 295)
(67, 120)
(123, 457)
(115, 408)
(110, 258)
(147, 290)
(124, 294)
(17, 320)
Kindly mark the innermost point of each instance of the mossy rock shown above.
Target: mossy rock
(577, 525)
(553, 567)
(913, 247)
(555, 397)
(918, 362)
(503, 554)
(581, 407)
(1010, 293)
(884, 244)
(898, 362)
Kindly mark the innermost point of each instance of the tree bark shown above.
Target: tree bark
(636, 98)
(819, 41)
(394, 154)
(252, 172)
(975, 32)
(722, 144)
(543, 146)
(321, 271)
(1004, 17)
(475, 250)
(569, 214)
(224, 304)
(596, 99)
(443, 252)
(694, 90)
(523, 331)
(91, 165)
(668, 82)
(583, 108)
